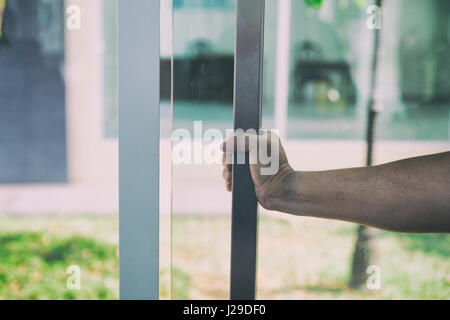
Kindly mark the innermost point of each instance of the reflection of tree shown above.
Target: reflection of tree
(2, 11)
(314, 3)
(363, 251)
(18, 20)
(363, 246)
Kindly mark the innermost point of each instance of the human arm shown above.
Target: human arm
(411, 195)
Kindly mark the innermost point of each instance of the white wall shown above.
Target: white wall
(92, 159)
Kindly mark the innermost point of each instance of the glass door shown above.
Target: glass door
(203, 63)
(340, 76)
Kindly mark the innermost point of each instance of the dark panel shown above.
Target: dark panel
(247, 115)
(32, 94)
(204, 78)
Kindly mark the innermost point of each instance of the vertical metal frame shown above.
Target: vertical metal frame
(139, 124)
(247, 115)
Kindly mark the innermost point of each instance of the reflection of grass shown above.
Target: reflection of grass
(438, 244)
(181, 284)
(299, 258)
(35, 253)
(33, 266)
(2, 11)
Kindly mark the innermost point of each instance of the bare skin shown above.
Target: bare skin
(411, 195)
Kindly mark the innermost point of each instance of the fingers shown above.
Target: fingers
(240, 142)
(227, 170)
(227, 173)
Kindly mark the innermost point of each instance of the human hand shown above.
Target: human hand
(268, 171)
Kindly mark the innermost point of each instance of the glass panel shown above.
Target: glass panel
(165, 158)
(331, 45)
(202, 100)
(59, 150)
(58, 175)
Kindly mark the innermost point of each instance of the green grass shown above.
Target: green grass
(35, 255)
(298, 259)
(33, 265)
(431, 244)
(301, 258)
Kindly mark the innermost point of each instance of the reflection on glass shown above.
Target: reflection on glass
(414, 73)
(165, 157)
(331, 49)
(203, 92)
(58, 172)
(2, 10)
(59, 128)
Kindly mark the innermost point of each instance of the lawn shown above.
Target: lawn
(298, 259)
(36, 252)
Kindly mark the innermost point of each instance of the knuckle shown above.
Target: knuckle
(264, 198)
